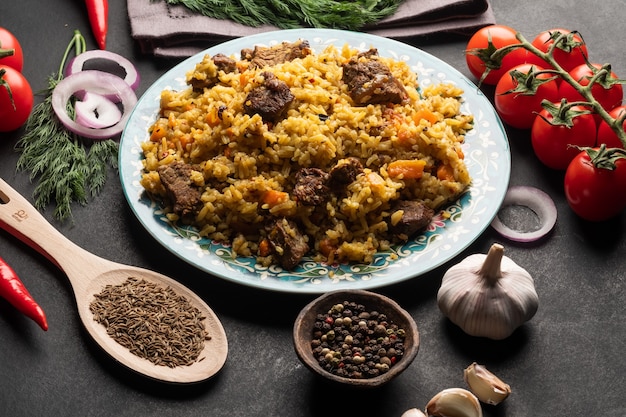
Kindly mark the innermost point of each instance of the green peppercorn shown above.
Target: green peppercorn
(337, 308)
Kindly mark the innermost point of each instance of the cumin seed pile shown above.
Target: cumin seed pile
(152, 321)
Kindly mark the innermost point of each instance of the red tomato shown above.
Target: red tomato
(519, 109)
(608, 98)
(8, 41)
(569, 52)
(12, 117)
(484, 42)
(595, 194)
(606, 134)
(551, 142)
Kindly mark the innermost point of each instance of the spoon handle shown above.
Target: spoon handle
(22, 220)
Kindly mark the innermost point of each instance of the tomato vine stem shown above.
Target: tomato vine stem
(584, 91)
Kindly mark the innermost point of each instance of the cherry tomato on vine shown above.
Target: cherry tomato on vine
(7, 42)
(569, 52)
(15, 107)
(552, 142)
(609, 96)
(519, 94)
(606, 134)
(593, 193)
(483, 43)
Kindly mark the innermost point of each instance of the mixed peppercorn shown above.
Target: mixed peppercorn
(351, 342)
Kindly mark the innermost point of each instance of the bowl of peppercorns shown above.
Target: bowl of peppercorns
(356, 338)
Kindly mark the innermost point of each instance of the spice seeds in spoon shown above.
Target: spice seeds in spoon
(92, 276)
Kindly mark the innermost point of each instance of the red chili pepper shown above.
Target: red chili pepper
(98, 11)
(14, 291)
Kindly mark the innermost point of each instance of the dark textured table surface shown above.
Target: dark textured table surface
(567, 361)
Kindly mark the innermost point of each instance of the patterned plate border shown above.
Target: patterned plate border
(486, 151)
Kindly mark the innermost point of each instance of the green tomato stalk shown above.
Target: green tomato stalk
(6, 52)
(605, 156)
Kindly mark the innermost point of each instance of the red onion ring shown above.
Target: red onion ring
(97, 82)
(132, 77)
(537, 201)
(96, 111)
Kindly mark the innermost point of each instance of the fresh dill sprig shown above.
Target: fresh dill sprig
(291, 14)
(67, 169)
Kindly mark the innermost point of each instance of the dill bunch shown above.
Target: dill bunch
(291, 14)
(65, 169)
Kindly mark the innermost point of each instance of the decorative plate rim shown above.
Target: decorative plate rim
(458, 225)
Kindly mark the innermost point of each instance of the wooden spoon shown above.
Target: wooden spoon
(89, 274)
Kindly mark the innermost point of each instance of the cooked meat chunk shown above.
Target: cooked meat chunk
(415, 217)
(314, 186)
(262, 56)
(371, 82)
(345, 172)
(311, 188)
(270, 100)
(207, 75)
(183, 195)
(288, 245)
(224, 63)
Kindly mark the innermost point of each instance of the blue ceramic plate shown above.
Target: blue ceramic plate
(486, 152)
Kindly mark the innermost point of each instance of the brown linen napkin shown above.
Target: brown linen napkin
(174, 31)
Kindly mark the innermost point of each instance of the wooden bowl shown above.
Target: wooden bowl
(304, 324)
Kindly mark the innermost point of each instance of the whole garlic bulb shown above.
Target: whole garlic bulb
(488, 295)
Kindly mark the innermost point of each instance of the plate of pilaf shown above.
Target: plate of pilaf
(312, 160)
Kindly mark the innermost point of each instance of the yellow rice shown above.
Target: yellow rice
(238, 157)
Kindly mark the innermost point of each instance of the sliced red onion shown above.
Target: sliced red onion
(96, 111)
(77, 64)
(537, 201)
(97, 82)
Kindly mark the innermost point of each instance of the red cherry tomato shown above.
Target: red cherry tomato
(595, 194)
(606, 134)
(608, 98)
(484, 42)
(14, 113)
(8, 42)
(519, 109)
(552, 143)
(569, 52)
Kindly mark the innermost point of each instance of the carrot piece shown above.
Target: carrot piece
(327, 247)
(375, 181)
(158, 133)
(404, 136)
(274, 197)
(459, 152)
(264, 247)
(445, 172)
(212, 118)
(406, 168)
(185, 140)
(427, 115)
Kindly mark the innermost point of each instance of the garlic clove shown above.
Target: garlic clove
(454, 402)
(485, 385)
(413, 412)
